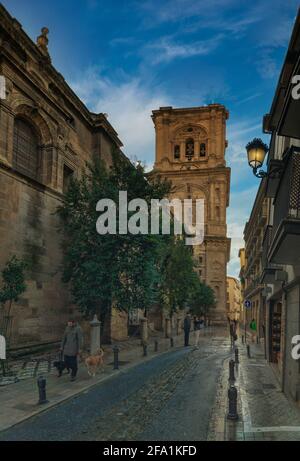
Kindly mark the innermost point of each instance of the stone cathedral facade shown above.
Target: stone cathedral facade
(46, 136)
(190, 152)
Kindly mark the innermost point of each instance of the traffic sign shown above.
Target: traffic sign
(247, 303)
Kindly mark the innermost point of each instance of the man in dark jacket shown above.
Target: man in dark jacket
(71, 346)
(187, 329)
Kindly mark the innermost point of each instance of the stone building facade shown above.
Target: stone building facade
(190, 152)
(279, 273)
(254, 232)
(234, 299)
(46, 136)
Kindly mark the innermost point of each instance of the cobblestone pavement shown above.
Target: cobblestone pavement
(264, 411)
(167, 398)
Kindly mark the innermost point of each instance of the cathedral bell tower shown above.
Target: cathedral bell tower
(190, 152)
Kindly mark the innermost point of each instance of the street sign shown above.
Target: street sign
(247, 303)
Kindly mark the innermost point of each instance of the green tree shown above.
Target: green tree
(177, 276)
(202, 297)
(119, 270)
(12, 286)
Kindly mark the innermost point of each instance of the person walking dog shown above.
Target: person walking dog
(71, 346)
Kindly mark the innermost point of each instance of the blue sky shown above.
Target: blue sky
(126, 58)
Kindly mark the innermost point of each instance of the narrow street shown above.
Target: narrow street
(170, 397)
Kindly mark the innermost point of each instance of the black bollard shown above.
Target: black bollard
(116, 357)
(145, 350)
(248, 351)
(155, 345)
(171, 342)
(41, 382)
(231, 372)
(232, 397)
(236, 353)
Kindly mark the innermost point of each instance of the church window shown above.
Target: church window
(67, 176)
(25, 149)
(189, 148)
(202, 149)
(176, 151)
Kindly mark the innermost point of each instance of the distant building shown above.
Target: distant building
(233, 305)
(190, 152)
(242, 282)
(253, 236)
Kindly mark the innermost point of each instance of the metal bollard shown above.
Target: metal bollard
(231, 372)
(145, 350)
(248, 351)
(232, 397)
(41, 382)
(257, 339)
(242, 339)
(116, 357)
(171, 342)
(155, 345)
(236, 353)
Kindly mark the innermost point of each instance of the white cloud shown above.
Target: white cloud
(129, 105)
(166, 50)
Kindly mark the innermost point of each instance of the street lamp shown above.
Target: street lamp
(256, 152)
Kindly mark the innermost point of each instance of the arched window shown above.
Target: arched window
(25, 148)
(189, 148)
(202, 149)
(177, 151)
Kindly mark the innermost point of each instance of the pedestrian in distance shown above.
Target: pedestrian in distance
(253, 329)
(187, 328)
(197, 327)
(71, 347)
(233, 335)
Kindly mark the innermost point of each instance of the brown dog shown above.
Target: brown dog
(94, 362)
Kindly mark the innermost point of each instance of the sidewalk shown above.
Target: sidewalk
(264, 411)
(19, 401)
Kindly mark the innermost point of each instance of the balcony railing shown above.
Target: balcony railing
(286, 222)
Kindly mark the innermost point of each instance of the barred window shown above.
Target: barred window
(189, 148)
(25, 149)
(202, 149)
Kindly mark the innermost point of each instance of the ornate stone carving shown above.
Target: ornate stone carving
(42, 40)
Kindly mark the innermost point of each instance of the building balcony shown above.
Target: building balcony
(268, 269)
(285, 239)
(253, 287)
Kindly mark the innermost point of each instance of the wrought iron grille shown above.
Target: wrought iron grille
(294, 208)
(287, 200)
